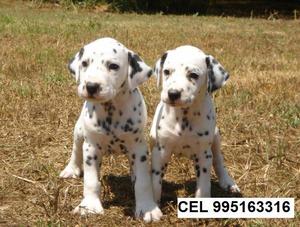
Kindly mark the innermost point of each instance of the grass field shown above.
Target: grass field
(258, 112)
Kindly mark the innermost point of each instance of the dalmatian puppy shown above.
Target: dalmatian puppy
(112, 120)
(184, 121)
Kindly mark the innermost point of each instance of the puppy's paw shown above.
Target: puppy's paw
(228, 184)
(71, 172)
(149, 211)
(91, 205)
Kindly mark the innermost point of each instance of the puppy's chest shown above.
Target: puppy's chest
(113, 127)
(187, 129)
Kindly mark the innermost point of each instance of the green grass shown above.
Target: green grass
(258, 111)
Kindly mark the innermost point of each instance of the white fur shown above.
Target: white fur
(112, 120)
(187, 125)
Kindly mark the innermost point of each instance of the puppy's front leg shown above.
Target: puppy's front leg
(74, 167)
(203, 163)
(92, 156)
(160, 159)
(225, 181)
(145, 205)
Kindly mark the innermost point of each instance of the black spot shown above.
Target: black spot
(186, 146)
(133, 62)
(208, 156)
(163, 59)
(137, 58)
(108, 120)
(157, 172)
(143, 158)
(198, 173)
(197, 167)
(214, 61)
(115, 51)
(162, 175)
(133, 156)
(208, 117)
(204, 170)
(127, 128)
(153, 171)
(158, 127)
(122, 85)
(95, 157)
(129, 121)
(162, 117)
(200, 134)
(149, 74)
(135, 131)
(222, 70)
(136, 139)
(88, 162)
(140, 103)
(81, 53)
(120, 112)
(69, 66)
(196, 160)
(206, 133)
(134, 108)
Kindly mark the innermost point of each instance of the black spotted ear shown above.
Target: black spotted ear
(73, 65)
(217, 75)
(138, 70)
(159, 65)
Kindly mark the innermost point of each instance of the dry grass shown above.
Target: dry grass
(258, 111)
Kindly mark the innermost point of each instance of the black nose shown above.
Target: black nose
(174, 94)
(92, 88)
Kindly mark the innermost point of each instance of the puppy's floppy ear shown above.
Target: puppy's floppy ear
(138, 70)
(217, 75)
(74, 63)
(159, 67)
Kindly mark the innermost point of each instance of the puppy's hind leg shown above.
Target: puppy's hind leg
(74, 167)
(225, 181)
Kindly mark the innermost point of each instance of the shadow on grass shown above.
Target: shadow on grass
(123, 193)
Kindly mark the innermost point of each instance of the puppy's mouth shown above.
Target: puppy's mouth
(178, 103)
(98, 97)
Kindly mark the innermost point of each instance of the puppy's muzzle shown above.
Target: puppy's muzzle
(174, 94)
(92, 88)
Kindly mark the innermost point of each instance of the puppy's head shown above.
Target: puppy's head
(185, 73)
(104, 67)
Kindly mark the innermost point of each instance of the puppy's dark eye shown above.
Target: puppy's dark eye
(167, 72)
(85, 63)
(113, 67)
(194, 76)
